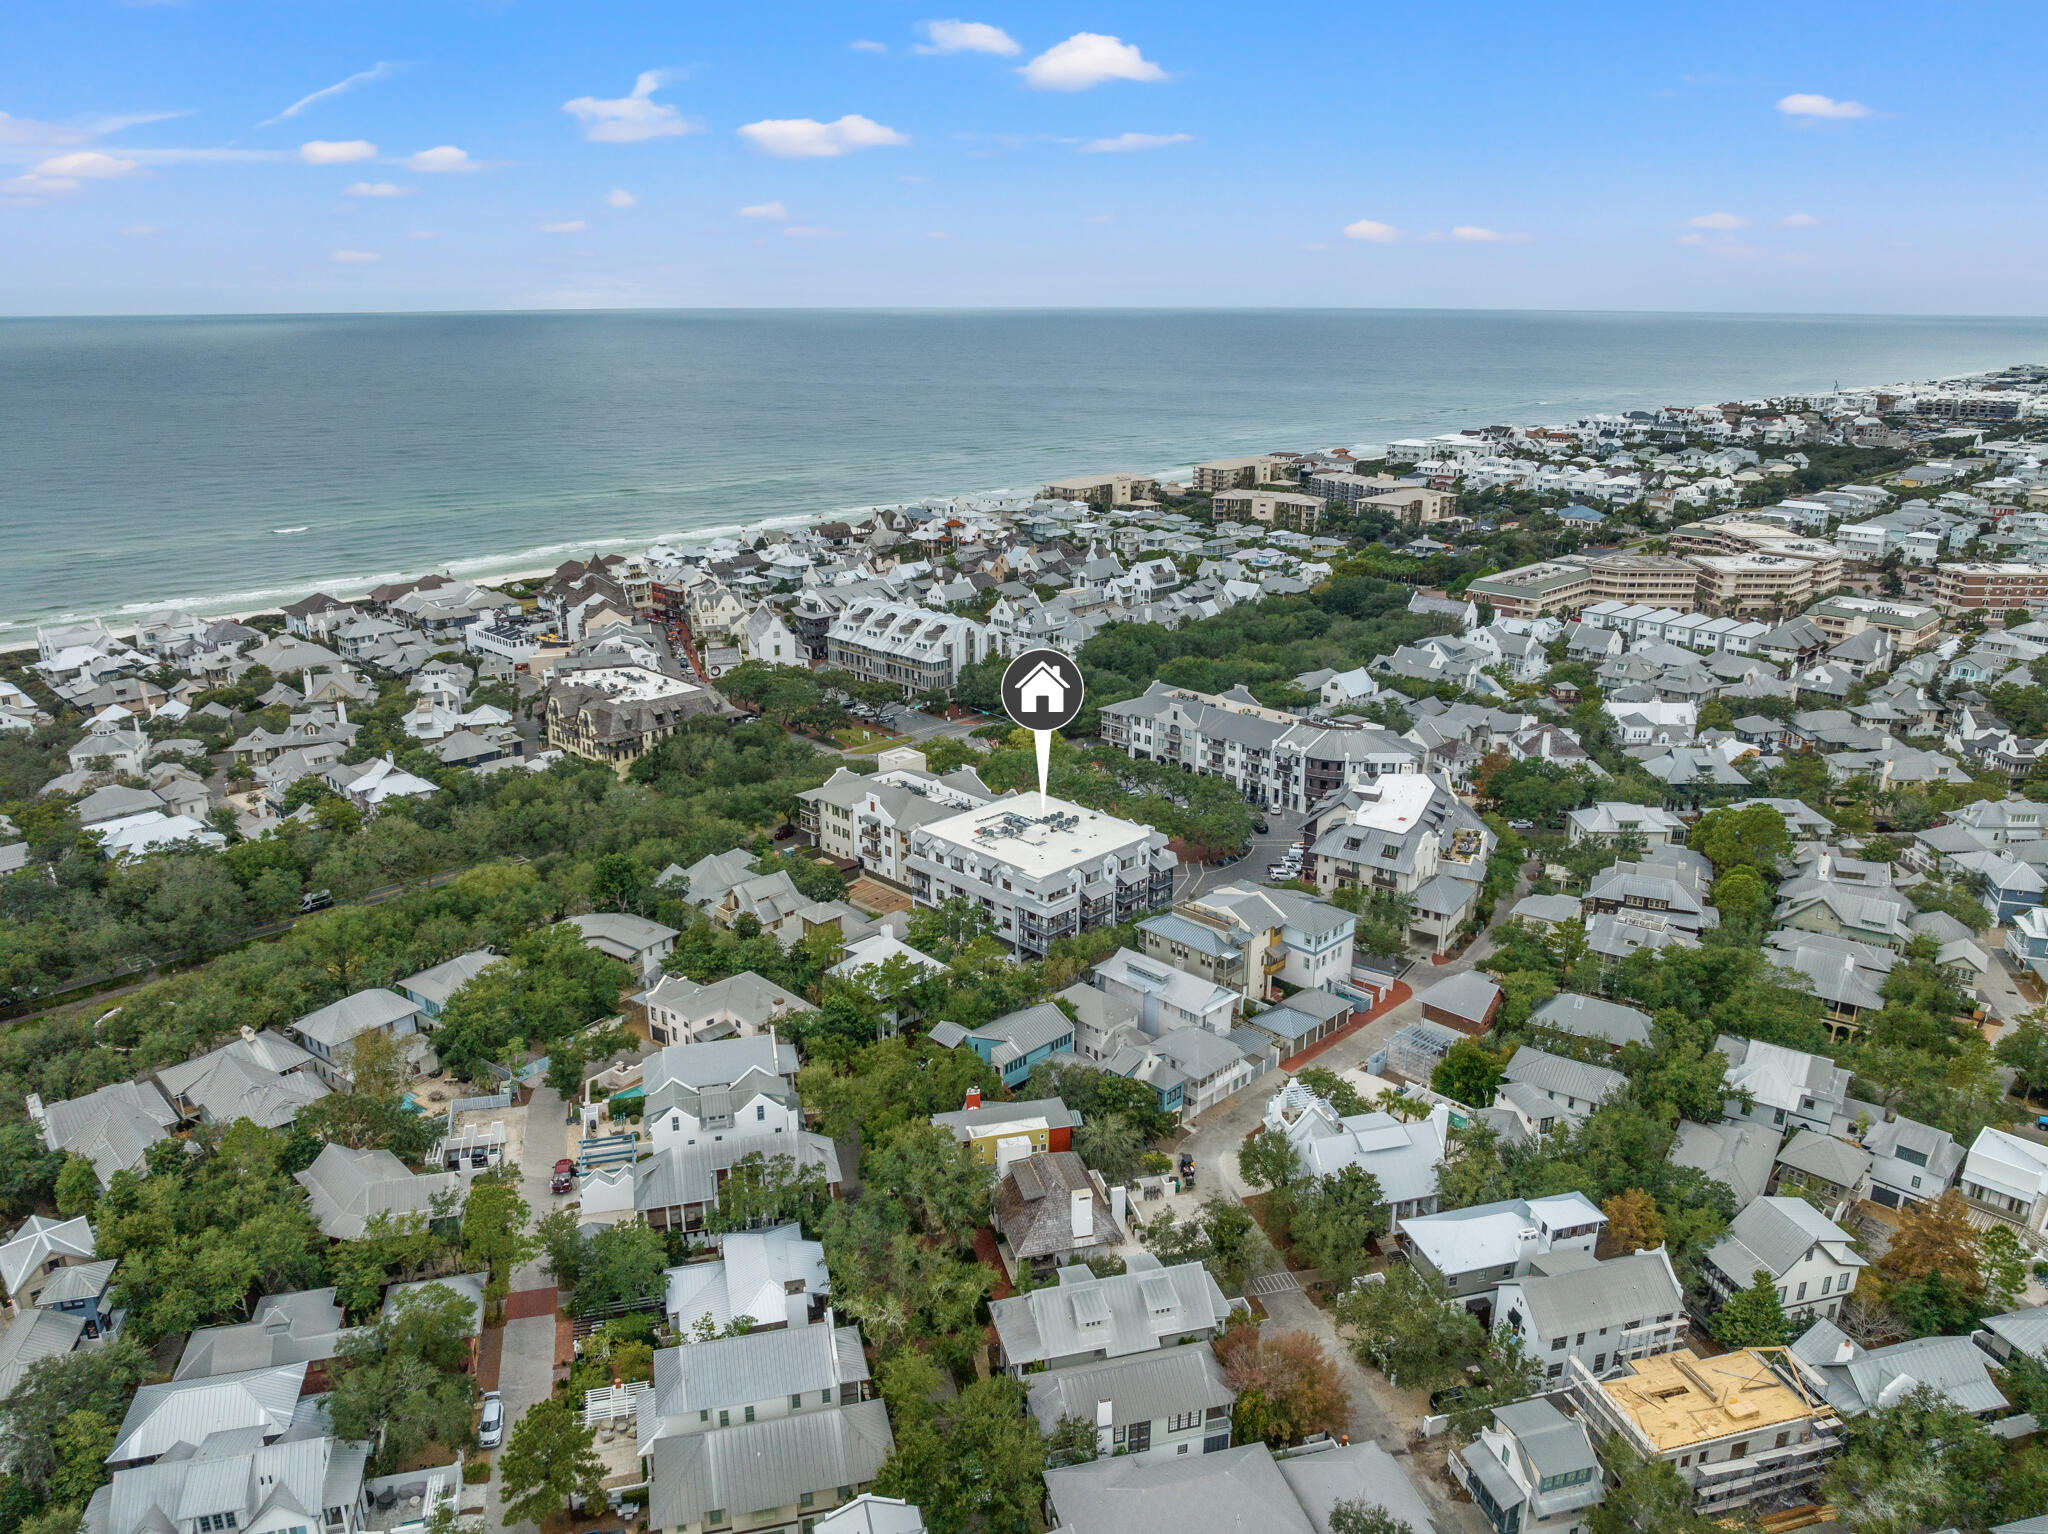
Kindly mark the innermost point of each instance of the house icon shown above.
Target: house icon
(1044, 691)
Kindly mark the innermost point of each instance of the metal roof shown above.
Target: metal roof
(1144, 1388)
(1233, 1491)
(767, 1464)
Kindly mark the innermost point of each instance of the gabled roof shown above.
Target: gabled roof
(437, 983)
(1559, 1077)
(1773, 1233)
(1571, 1293)
(1229, 1491)
(111, 1127)
(335, 1024)
(162, 1417)
(1856, 1380)
(35, 1333)
(346, 1187)
(1826, 1157)
(36, 1241)
(765, 1464)
(1132, 1312)
(1168, 1383)
(1589, 1017)
(1738, 1155)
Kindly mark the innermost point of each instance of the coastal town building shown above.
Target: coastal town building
(912, 648)
(617, 714)
(1040, 868)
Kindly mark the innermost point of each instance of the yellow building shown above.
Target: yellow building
(996, 1134)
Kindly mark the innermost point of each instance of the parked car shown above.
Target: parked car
(564, 1178)
(1259, 824)
(490, 1432)
(1521, 825)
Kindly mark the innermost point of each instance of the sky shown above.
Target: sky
(204, 156)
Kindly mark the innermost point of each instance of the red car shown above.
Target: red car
(565, 1176)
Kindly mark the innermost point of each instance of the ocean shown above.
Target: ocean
(224, 464)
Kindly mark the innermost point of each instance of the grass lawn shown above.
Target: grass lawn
(865, 740)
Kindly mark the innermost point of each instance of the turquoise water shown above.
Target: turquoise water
(239, 462)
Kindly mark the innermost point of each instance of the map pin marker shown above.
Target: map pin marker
(1042, 692)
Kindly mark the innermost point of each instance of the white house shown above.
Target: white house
(1808, 1256)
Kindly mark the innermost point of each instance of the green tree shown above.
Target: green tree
(1753, 1317)
(2025, 1049)
(1920, 1463)
(52, 1389)
(561, 1243)
(1333, 1089)
(1112, 1146)
(28, 1169)
(1648, 1496)
(78, 1188)
(762, 1190)
(549, 1459)
(495, 1237)
(1335, 1221)
(1221, 1235)
(975, 1462)
(1408, 1327)
(84, 1439)
(619, 1264)
(1355, 1515)
(1754, 837)
(1468, 1072)
(934, 1179)
(1268, 1160)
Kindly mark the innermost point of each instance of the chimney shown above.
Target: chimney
(248, 1034)
(341, 712)
(973, 1098)
(1081, 1204)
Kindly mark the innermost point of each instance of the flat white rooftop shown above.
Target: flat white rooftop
(1399, 804)
(1038, 836)
(634, 684)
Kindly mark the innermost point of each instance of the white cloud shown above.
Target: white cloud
(567, 226)
(1473, 234)
(380, 189)
(377, 71)
(809, 232)
(1798, 221)
(774, 210)
(1719, 221)
(354, 257)
(805, 138)
(26, 130)
(1085, 59)
(440, 160)
(88, 165)
(1132, 143)
(967, 37)
(632, 118)
(619, 197)
(1372, 229)
(322, 151)
(867, 45)
(139, 231)
(1803, 104)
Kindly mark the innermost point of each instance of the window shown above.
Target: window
(714, 1517)
(846, 1494)
(1553, 1371)
(1579, 1341)
(704, 1415)
(1741, 1448)
(824, 1398)
(1181, 1422)
(806, 1499)
(760, 1113)
(1557, 1343)
(1599, 1362)
(724, 1417)
(796, 1400)
(1801, 1295)
(1826, 1284)
(1783, 1439)
(750, 1414)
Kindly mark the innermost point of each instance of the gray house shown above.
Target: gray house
(1532, 1470)
(1171, 1402)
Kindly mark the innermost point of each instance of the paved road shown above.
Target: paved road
(1283, 829)
(526, 1373)
(1378, 1410)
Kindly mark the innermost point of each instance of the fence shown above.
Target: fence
(609, 1403)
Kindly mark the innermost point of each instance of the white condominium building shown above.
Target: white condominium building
(1041, 868)
(908, 647)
